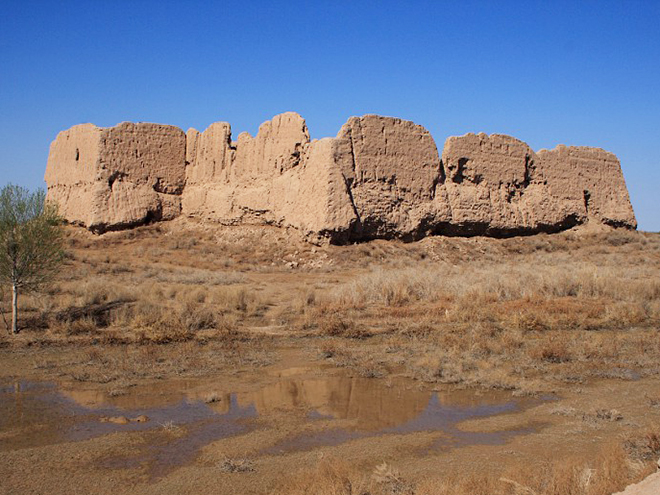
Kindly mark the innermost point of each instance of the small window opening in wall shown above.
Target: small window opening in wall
(587, 200)
(77, 154)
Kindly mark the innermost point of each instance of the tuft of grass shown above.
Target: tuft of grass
(83, 326)
(229, 465)
(170, 427)
(335, 325)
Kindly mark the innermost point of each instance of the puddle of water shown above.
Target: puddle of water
(327, 410)
(441, 413)
(35, 414)
(160, 459)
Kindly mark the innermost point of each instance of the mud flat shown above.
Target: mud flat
(320, 409)
(247, 428)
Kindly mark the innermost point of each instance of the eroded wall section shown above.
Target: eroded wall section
(117, 177)
(380, 177)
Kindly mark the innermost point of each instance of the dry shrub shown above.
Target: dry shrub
(610, 471)
(99, 291)
(419, 329)
(554, 349)
(644, 447)
(195, 316)
(309, 298)
(390, 288)
(621, 237)
(465, 484)
(607, 473)
(238, 300)
(335, 325)
(330, 477)
(73, 327)
(162, 335)
(163, 324)
(229, 465)
(387, 479)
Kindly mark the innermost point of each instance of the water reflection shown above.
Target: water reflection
(326, 410)
(437, 414)
(370, 404)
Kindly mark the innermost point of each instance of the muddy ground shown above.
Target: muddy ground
(260, 364)
(245, 431)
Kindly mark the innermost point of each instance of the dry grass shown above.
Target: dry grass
(528, 295)
(611, 471)
(231, 465)
(549, 315)
(125, 364)
(522, 313)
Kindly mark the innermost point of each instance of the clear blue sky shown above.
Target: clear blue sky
(547, 72)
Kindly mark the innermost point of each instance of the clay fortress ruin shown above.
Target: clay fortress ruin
(380, 177)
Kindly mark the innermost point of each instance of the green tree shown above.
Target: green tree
(31, 242)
